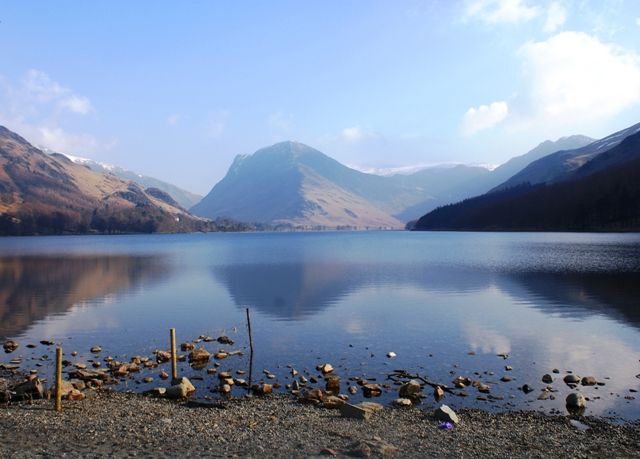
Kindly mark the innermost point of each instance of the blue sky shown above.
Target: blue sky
(177, 89)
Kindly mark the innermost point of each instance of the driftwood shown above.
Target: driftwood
(403, 376)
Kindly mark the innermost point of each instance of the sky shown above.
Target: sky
(176, 90)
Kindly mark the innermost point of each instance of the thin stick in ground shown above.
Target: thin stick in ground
(250, 350)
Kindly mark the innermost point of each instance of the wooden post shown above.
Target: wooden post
(58, 379)
(174, 355)
(250, 349)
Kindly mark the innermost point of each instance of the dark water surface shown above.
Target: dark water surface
(548, 300)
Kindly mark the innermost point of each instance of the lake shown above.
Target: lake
(446, 303)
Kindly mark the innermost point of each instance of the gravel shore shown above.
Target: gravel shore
(113, 424)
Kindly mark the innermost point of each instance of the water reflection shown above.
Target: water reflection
(34, 287)
(296, 291)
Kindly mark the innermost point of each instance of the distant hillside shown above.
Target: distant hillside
(558, 166)
(602, 194)
(50, 194)
(184, 198)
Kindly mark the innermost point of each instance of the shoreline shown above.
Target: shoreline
(109, 423)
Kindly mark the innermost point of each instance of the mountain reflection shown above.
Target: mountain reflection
(296, 291)
(34, 287)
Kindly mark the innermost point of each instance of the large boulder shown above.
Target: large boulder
(444, 413)
(410, 390)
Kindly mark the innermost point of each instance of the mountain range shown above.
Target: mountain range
(50, 194)
(292, 184)
(592, 188)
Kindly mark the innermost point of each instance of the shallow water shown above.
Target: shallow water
(445, 303)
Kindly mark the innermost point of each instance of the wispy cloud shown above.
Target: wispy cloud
(36, 106)
(357, 134)
(501, 11)
(556, 17)
(173, 119)
(484, 117)
(280, 122)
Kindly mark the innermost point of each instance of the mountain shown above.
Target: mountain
(601, 194)
(50, 194)
(184, 198)
(290, 183)
(559, 165)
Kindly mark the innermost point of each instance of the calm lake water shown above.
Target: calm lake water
(445, 303)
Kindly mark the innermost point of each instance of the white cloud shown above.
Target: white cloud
(484, 117)
(556, 17)
(573, 76)
(77, 104)
(501, 11)
(38, 87)
(352, 134)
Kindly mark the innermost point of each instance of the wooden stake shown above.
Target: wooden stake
(174, 355)
(58, 379)
(250, 349)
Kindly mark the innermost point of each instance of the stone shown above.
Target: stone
(262, 389)
(80, 366)
(353, 390)
(75, 395)
(313, 395)
(508, 368)
(156, 392)
(65, 387)
(163, 356)
(147, 379)
(391, 355)
(589, 381)
(374, 447)
(438, 393)
(372, 390)
(326, 368)
(199, 356)
(332, 384)
(526, 388)
(225, 388)
(555, 370)
(47, 342)
(224, 375)
(371, 406)
(506, 378)
(354, 412)
(332, 402)
(10, 346)
(184, 347)
(220, 355)
(402, 402)
(575, 402)
(328, 452)
(96, 349)
(410, 389)
(295, 385)
(484, 388)
(164, 375)
(185, 381)
(177, 392)
(571, 379)
(547, 379)
(29, 389)
(225, 340)
(444, 413)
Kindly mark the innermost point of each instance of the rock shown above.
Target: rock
(508, 368)
(444, 413)
(225, 388)
(184, 347)
(461, 382)
(80, 366)
(391, 355)
(526, 388)
(147, 380)
(313, 395)
(177, 392)
(185, 381)
(371, 406)
(575, 402)
(332, 384)
(328, 452)
(29, 389)
(438, 393)
(295, 385)
(332, 402)
(547, 379)
(402, 402)
(199, 356)
(353, 390)
(410, 390)
(374, 447)
(163, 356)
(354, 412)
(156, 392)
(571, 379)
(372, 390)
(589, 381)
(262, 389)
(544, 395)
(47, 342)
(484, 388)
(294, 372)
(65, 387)
(96, 349)
(506, 378)
(225, 340)
(220, 355)
(164, 375)
(555, 370)
(75, 395)
(326, 368)
(10, 346)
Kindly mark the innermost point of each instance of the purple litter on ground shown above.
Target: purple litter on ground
(445, 426)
